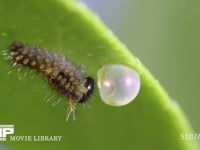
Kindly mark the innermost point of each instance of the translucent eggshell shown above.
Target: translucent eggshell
(118, 84)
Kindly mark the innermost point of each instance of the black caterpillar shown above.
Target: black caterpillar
(68, 81)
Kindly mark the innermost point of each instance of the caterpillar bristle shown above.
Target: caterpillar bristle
(69, 81)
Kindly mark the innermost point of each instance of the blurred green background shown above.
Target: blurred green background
(162, 34)
(165, 36)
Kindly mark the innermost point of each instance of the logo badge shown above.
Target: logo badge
(6, 130)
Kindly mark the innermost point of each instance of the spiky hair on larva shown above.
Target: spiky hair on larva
(66, 79)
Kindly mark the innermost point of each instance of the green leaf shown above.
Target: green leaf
(152, 121)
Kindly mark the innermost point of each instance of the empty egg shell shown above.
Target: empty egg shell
(118, 84)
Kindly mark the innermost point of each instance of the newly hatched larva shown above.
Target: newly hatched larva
(67, 80)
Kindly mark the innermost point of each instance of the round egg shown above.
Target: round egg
(118, 84)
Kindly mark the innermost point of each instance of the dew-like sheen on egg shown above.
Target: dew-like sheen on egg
(118, 84)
